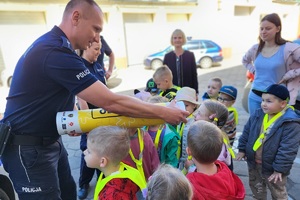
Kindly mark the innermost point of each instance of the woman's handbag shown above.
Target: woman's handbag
(247, 89)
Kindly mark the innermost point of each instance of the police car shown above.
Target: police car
(206, 53)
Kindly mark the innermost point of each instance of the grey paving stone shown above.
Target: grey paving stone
(230, 76)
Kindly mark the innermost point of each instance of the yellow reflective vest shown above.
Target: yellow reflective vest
(170, 93)
(235, 114)
(125, 171)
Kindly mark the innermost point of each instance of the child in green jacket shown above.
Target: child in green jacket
(165, 137)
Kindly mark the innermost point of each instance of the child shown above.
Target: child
(142, 154)
(212, 179)
(150, 90)
(188, 96)
(163, 78)
(168, 183)
(227, 97)
(217, 113)
(106, 147)
(142, 95)
(270, 142)
(164, 137)
(213, 88)
(151, 87)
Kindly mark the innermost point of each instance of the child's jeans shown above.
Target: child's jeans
(259, 183)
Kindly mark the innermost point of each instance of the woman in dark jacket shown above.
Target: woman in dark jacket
(181, 62)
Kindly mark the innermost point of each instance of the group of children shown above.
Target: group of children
(193, 160)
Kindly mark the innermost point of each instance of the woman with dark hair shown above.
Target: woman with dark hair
(273, 60)
(182, 62)
(89, 57)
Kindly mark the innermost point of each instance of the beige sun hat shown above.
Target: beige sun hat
(187, 94)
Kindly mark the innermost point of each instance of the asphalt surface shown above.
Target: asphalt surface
(230, 71)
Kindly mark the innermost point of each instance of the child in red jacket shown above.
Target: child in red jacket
(106, 147)
(212, 179)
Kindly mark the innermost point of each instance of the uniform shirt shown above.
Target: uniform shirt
(46, 79)
(98, 71)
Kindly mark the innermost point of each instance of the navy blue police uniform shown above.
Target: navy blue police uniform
(46, 79)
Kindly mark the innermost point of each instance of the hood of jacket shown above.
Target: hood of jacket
(222, 185)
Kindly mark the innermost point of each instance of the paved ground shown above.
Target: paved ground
(231, 73)
(135, 77)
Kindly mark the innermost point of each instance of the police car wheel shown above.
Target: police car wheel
(206, 62)
(156, 63)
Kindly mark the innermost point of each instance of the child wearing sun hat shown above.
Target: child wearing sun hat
(188, 96)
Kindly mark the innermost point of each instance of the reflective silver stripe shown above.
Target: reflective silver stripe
(23, 164)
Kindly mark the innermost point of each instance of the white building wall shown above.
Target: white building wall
(226, 22)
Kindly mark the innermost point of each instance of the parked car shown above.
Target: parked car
(206, 53)
(7, 191)
(7, 73)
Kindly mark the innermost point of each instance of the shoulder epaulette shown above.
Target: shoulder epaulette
(66, 43)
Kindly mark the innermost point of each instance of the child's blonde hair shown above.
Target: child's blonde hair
(218, 113)
(168, 183)
(110, 141)
(163, 72)
(218, 80)
(205, 141)
(157, 99)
